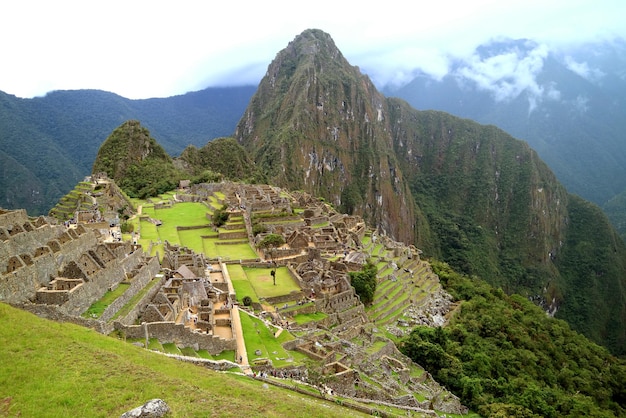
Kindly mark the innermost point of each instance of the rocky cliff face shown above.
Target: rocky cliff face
(468, 194)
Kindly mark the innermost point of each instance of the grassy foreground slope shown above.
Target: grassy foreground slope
(59, 370)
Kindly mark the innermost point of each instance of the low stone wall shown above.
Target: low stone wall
(279, 300)
(282, 252)
(170, 332)
(217, 365)
(188, 228)
(347, 403)
(233, 235)
(305, 309)
(54, 314)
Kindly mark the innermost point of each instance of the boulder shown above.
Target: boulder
(154, 408)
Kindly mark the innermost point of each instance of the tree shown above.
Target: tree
(364, 282)
(220, 216)
(271, 241)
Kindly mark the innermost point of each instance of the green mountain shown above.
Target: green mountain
(223, 156)
(134, 159)
(469, 194)
(48, 144)
(315, 123)
(570, 107)
(139, 164)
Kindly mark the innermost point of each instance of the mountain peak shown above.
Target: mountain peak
(316, 123)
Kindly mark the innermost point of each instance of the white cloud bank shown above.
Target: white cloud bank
(156, 48)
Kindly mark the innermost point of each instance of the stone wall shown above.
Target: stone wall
(233, 235)
(145, 274)
(132, 316)
(54, 314)
(99, 283)
(292, 296)
(170, 332)
(11, 217)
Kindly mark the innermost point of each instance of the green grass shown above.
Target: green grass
(235, 271)
(244, 288)
(236, 252)
(171, 348)
(263, 284)
(96, 310)
(192, 238)
(259, 337)
(306, 318)
(202, 353)
(155, 345)
(58, 370)
(226, 355)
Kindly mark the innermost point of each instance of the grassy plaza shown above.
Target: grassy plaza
(187, 224)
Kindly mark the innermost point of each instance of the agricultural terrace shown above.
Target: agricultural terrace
(187, 224)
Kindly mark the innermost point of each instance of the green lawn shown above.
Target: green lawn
(192, 238)
(241, 251)
(259, 336)
(243, 288)
(235, 271)
(306, 318)
(261, 280)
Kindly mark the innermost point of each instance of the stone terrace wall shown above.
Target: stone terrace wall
(11, 217)
(134, 313)
(22, 284)
(46, 250)
(99, 283)
(141, 279)
(54, 314)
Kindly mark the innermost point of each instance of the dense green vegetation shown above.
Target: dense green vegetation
(592, 253)
(493, 209)
(220, 216)
(135, 160)
(504, 357)
(364, 282)
(224, 156)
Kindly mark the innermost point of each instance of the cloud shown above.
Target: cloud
(155, 48)
(583, 70)
(508, 74)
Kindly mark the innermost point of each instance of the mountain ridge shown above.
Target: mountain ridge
(51, 142)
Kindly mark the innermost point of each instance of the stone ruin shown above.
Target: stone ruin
(63, 267)
(192, 308)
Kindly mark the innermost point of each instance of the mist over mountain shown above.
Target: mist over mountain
(569, 105)
(48, 144)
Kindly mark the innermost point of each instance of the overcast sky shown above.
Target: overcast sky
(142, 49)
